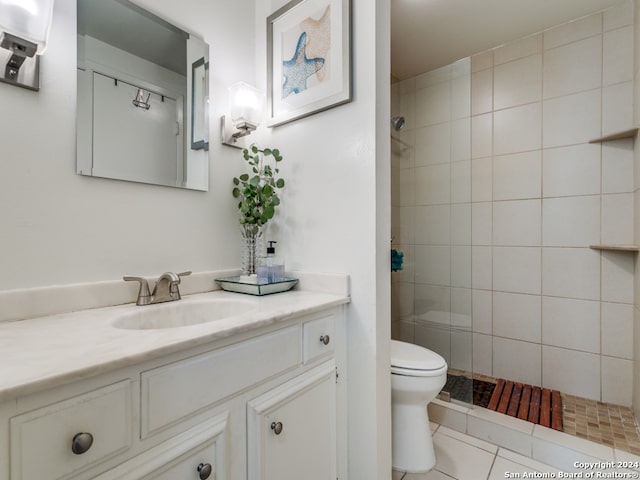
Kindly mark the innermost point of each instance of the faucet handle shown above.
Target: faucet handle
(174, 287)
(143, 294)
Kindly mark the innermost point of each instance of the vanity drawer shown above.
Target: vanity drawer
(318, 338)
(175, 391)
(193, 454)
(41, 440)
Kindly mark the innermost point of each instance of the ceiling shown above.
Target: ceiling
(427, 34)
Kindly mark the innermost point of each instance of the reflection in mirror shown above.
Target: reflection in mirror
(142, 97)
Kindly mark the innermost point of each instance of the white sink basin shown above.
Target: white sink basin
(182, 314)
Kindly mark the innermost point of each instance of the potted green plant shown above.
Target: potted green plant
(257, 193)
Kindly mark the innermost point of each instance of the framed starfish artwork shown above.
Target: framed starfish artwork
(308, 58)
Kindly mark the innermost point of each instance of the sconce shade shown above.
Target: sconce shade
(247, 105)
(28, 19)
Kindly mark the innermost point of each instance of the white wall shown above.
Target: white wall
(60, 228)
(335, 218)
(547, 310)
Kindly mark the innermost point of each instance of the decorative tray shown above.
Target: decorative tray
(233, 284)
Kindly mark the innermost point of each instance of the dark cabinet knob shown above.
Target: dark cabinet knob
(81, 443)
(277, 427)
(325, 339)
(204, 470)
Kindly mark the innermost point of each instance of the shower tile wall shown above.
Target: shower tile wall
(547, 309)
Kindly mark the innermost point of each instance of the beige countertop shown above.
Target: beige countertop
(44, 352)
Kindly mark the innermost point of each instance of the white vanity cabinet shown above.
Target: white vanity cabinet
(264, 404)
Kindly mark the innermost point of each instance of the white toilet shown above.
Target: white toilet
(417, 376)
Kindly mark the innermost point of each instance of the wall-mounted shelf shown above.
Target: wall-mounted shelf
(616, 248)
(631, 133)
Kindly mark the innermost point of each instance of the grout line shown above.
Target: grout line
(493, 462)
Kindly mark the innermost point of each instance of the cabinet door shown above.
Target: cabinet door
(292, 429)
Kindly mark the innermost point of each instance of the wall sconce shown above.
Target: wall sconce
(24, 30)
(247, 109)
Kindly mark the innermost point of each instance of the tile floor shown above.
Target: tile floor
(462, 457)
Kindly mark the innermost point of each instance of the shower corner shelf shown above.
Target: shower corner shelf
(631, 133)
(616, 248)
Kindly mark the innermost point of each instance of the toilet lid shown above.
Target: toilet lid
(413, 357)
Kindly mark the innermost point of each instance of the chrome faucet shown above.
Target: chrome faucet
(165, 290)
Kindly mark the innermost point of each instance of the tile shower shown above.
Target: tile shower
(497, 195)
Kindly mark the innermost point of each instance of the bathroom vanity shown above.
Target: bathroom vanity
(100, 394)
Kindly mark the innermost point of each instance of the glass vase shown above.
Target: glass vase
(249, 249)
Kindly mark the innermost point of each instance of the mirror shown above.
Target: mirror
(143, 97)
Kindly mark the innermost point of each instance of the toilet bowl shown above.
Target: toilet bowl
(417, 376)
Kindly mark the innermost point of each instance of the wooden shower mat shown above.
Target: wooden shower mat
(533, 404)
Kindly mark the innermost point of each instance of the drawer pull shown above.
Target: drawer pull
(204, 469)
(81, 443)
(277, 427)
(325, 339)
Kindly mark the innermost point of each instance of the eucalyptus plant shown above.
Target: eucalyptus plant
(258, 191)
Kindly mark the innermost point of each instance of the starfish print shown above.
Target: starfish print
(319, 36)
(296, 71)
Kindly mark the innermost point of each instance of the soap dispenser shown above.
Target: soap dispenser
(270, 268)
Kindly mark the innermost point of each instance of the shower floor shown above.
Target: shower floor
(608, 424)
(526, 402)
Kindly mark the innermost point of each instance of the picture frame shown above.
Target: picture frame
(199, 100)
(308, 59)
